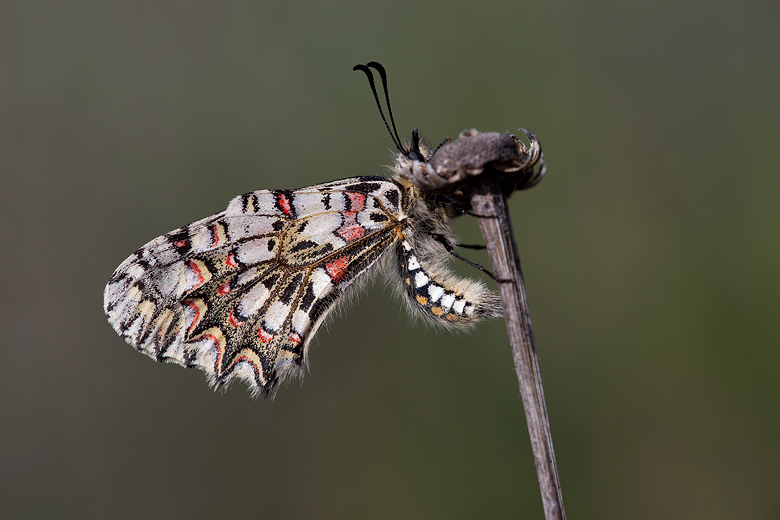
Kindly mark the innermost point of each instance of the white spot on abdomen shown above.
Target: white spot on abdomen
(447, 300)
(435, 292)
(458, 306)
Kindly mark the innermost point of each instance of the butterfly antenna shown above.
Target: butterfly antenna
(383, 75)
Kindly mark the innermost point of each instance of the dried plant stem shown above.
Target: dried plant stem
(489, 203)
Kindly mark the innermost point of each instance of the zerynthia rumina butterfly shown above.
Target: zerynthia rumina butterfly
(240, 294)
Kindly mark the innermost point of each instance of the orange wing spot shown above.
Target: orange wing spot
(194, 307)
(224, 288)
(337, 268)
(422, 300)
(452, 317)
(230, 261)
(438, 311)
(357, 201)
(408, 281)
(235, 321)
(264, 336)
(295, 338)
(197, 272)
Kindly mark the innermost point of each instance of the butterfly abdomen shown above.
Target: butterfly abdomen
(440, 295)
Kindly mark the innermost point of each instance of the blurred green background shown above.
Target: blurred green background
(651, 254)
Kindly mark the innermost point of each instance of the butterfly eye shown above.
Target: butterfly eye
(415, 155)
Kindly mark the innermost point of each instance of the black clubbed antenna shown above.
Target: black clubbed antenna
(382, 74)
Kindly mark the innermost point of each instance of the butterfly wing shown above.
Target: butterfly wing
(241, 293)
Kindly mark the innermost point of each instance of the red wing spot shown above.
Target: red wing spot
(351, 230)
(337, 268)
(225, 288)
(264, 336)
(352, 233)
(230, 261)
(180, 243)
(197, 272)
(295, 338)
(235, 321)
(284, 204)
(194, 307)
(357, 201)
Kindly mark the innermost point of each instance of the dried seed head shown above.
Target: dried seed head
(470, 155)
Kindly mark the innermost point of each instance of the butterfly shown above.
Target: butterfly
(240, 294)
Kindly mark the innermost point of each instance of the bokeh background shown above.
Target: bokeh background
(651, 253)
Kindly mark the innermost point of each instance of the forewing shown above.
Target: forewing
(241, 293)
